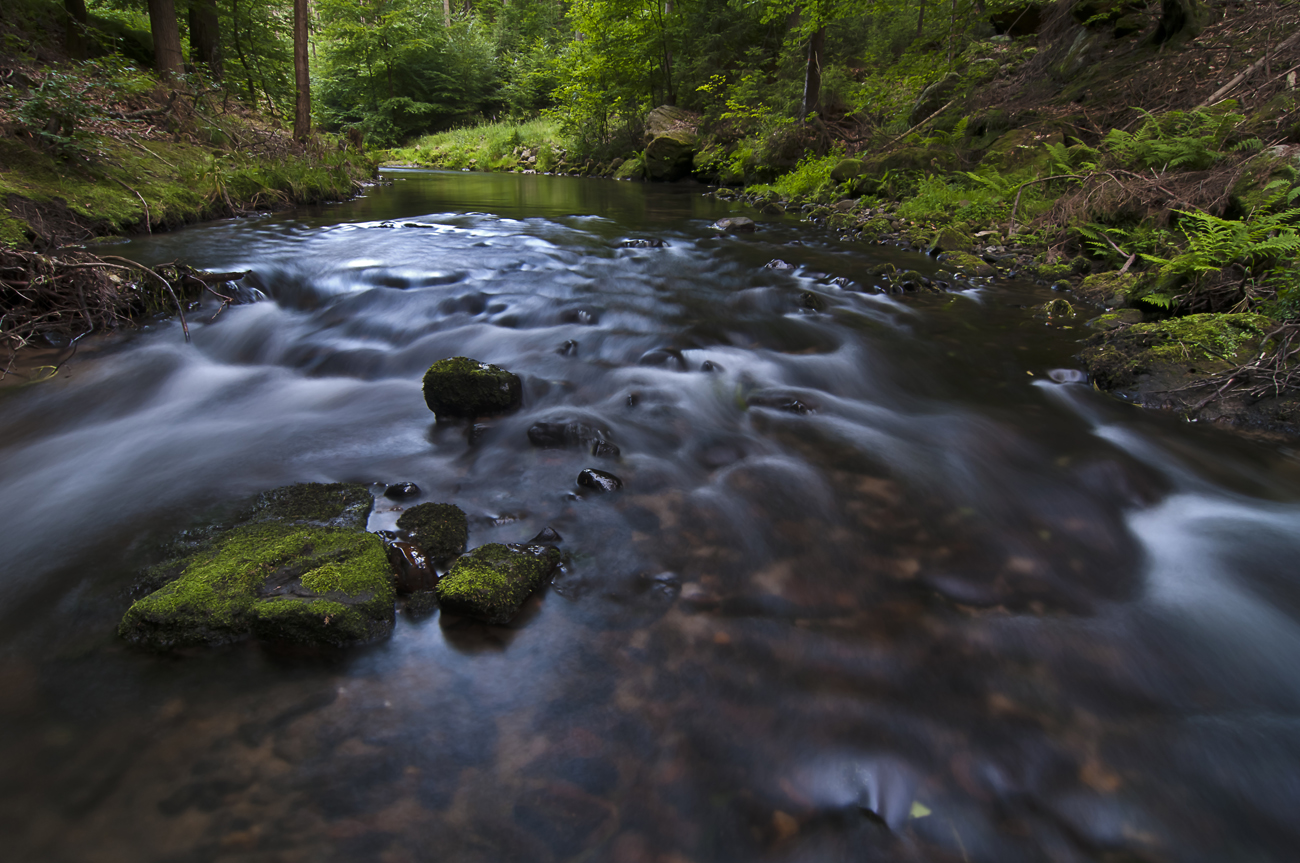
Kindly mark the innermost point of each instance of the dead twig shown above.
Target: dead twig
(166, 284)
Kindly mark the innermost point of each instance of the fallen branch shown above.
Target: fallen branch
(166, 284)
(1011, 229)
(1250, 70)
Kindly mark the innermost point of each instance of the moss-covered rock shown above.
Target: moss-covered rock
(1162, 356)
(847, 169)
(1107, 289)
(968, 264)
(337, 504)
(669, 156)
(492, 581)
(439, 530)
(632, 169)
(282, 581)
(1021, 148)
(951, 239)
(459, 386)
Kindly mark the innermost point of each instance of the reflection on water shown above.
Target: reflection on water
(885, 580)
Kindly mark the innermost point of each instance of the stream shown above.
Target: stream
(886, 579)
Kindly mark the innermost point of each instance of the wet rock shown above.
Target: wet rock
(547, 536)
(809, 300)
(778, 264)
(558, 435)
(281, 580)
(710, 366)
(951, 240)
(604, 449)
(1108, 289)
(848, 169)
(344, 505)
(781, 402)
(492, 581)
(439, 530)
(667, 357)
(969, 264)
(909, 280)
(568, 349)
(586, 317)
(476, 433)
(736, 225)
(599, 480)
(640, 243)
(411, 569)
(460, 386)
(402, 491)
(1115, 320)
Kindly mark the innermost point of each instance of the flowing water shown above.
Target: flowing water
(885, 579)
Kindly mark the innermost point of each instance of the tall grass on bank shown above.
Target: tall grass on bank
(488, 147)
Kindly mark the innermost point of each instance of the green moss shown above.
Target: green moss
(632, 169)
(492, 581)
(220, 590)
(1108, 289)
(336, 504)
(1162, 354)
(439, 530)
(967, 263)
(460, 386)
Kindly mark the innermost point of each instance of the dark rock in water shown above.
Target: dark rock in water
(710, 366)
(422, 603)
(670, 357)
(439, 530)
(778, 264)
(411, 569)
(492, 581)
(459, 386)
(604, 449)
(568, 349)
(402, 491)
(781, 402)
(281, 579)
(599, 480)
(643, 244)
(736, 225)
(476, 433)
(557, 435)
(337, 504)
(547, 536)
(580, 316)
(811, 301)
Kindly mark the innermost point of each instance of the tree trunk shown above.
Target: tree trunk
(302, 104)
(446, 12)
(812, 81)
(75, 41)
(1180, 20)
(167, 60)
(920, 19)
(205, 37)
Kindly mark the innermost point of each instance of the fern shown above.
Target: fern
(1191, 140)
(1213, 243)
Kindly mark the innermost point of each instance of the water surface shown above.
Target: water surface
(885, 580)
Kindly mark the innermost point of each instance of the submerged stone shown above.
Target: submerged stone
(736, 225)
(460, 386)
(281, 581)
(401, 491)
(439, 530)
(492, 581)
(599, 480)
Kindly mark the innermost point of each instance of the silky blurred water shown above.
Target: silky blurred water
(886, 579)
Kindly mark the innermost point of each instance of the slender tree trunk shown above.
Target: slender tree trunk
(302, 103)
(812, 81)
(75, 22)
(167, 60)
(239, 51)
(205, 37)
(670, 94)
(446, 12)
(920, 19)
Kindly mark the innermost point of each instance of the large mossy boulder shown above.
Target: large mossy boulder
(462, 387)
(848, 169)
(934, 97)
(439, 530)
(1021, 148)
(298, 567)
(492, 581)
(1164, 356)
(670, 156)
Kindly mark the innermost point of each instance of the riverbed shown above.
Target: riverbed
(886, 578)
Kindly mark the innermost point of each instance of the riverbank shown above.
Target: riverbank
(100, 150)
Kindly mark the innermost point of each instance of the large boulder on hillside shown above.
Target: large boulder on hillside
(462, 387)
(670, 156)
(1020, 148)
(668, 118)
(296, 566)
(847, 169)
(934, 97)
